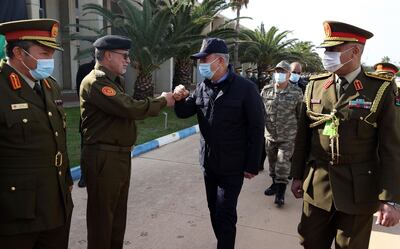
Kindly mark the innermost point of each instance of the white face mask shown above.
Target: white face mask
(279, 77)
(331, 60)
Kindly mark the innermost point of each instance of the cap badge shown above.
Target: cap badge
(54, 30)
(328, 31)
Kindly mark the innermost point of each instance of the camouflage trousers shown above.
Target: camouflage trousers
(279, 154)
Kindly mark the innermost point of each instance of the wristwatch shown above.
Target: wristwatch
(393, 204)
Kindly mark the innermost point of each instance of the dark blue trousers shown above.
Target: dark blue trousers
(222, 195)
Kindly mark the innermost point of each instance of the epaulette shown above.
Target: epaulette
(378, 76)
(320, 76)
(99, 73)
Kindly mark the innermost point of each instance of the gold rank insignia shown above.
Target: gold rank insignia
(14, 81)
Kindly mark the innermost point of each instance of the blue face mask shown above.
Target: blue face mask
(44, 68)
(279, 77)
(294, 77)
(205, 69)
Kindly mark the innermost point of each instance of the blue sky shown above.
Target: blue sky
(305, 19)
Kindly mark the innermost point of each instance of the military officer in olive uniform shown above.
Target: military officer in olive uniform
(386, 69)
(109, 132)
(346, 161)
(35, 179)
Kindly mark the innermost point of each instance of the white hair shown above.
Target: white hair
(223, 56)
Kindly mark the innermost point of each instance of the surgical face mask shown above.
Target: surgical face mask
(294, 77)
(205, 69)
(279, 78)
(44, 68)
(331, 60)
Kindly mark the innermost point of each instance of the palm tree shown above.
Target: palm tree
(309, 58)
(149, 24)
(237, 5)
(193, 18)
(266, 49)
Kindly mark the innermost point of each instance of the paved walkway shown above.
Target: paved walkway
(167, 208)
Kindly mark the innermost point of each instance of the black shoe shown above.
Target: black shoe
(271, 190)
(280, 194)
(82, 182)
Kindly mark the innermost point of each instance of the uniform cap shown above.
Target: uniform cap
(385, 67)
(43, 31)
(337, 33)
(211, 46)
(283, 65)
(110, 42)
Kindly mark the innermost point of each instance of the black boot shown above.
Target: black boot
(280, 194)
(272, 189)
(82, 182)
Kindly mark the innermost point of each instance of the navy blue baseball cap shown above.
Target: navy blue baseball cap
(211, 46)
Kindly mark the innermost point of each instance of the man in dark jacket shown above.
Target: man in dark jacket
(230, 115)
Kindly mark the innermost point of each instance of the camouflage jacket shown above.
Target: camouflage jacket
(281, 109)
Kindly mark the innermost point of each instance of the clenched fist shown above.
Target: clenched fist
(180, 92)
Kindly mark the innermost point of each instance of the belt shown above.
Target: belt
(347, 159)
(109, 147)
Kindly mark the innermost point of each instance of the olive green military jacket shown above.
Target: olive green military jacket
(34, 166)
(108, 113)
(368, 166)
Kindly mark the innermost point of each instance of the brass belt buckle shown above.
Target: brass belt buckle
(58, 159)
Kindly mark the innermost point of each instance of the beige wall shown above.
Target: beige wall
(33, 7)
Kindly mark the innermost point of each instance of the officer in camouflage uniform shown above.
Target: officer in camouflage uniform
(109, 132)
(35, 179)
(282, 101)
(346, 161)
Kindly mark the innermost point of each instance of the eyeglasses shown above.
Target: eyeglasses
(296, 72)
(125, 55)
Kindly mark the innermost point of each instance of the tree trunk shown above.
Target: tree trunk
(183, 72)
(236, 48)
(143, 86)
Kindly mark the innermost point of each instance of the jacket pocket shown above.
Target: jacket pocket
(308, 175)
(18, 197)
(231, 110)
(20, 125)
(232, 157)
(364, 182)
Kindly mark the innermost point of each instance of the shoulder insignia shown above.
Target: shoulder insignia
(358, 85)
(328, 83)
(378, 76)
(108, 91)
(14, 81)
(47, 84)
(320, 76)
(99, 73)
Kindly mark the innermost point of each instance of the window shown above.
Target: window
(42, 9)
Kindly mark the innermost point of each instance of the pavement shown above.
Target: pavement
(167, 208)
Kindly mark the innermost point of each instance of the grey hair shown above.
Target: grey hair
(224, 56)
(99, 54)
